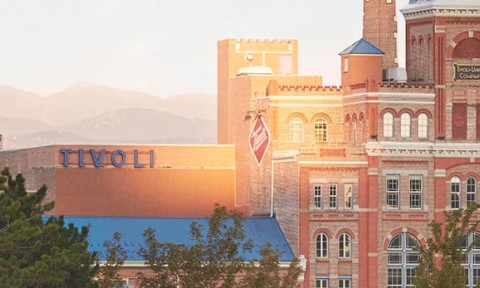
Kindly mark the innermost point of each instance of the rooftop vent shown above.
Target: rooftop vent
(395, 75)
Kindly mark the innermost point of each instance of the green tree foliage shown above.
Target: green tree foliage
(115, 258)
(36, 253)
(214, 260)
(266, 273)
(440, 261)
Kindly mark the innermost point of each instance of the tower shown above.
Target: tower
(380, 28)
(443, 47)
(281, 56)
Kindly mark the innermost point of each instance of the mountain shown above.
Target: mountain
(86, 100)
(139, 125)
(19, 126)
(91, 113)
(19, 104)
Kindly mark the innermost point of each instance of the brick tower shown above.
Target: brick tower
(380, 28)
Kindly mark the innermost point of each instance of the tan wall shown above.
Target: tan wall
(185, 180)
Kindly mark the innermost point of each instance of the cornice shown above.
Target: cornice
(419, 13)
(425, 150)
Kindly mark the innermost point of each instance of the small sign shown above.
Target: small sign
(259, 140)
(466, 72)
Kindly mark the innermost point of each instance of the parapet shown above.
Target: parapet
(265, 41)
(305, 88)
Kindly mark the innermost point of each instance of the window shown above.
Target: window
(415, 191)
(320, 130)
(344, 246)
(423, 126)
(296, 129)
(333, 196)
(471, 263)
(393, 191)
(345, 64)
(348, 197)
(388, 125)
(317, 196)
(471, 190)
(345, 283)
(405, 123)
(321, 283)
(322, 245)
(402, 260)
(455, 193)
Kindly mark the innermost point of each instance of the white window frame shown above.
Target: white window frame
(404, 254)
(317, 196)
(405, 125)
(296, 130)
(422, 126)
(471, 190)
(321, 282)
(345, 246)
(471, 251)
(321, 246)
(392, 192)
(455, 190)
(321, 129)
(332, 196)
(416, 191)
(348, 194)
(344, 282)
(388, 125)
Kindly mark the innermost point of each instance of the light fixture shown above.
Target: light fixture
(257, 113)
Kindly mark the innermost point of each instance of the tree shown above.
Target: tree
(115, 258)
(38, 253)
(267, 274)
(441, 259)
(213, 260)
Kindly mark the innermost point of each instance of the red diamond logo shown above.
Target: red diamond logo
(259, 140)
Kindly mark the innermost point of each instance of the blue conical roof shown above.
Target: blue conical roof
(361, 47)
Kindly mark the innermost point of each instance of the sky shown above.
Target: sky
(163, 47)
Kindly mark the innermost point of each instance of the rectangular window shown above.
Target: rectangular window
(348, 191)
(345, 283)
(333, 196)
(321, 283)
(345, 64)
(416, 191)
(317, 196)
(393, 191)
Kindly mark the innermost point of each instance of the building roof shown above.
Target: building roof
(176, 230)
(420, 5)
(362, 46)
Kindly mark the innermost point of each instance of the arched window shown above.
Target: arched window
(402, 260)
(405, 124)
(344, 246)
(455, 193)
(388, 124)
(471, 250)
(471, 190)
(322, 245)
(296, 129)
(423, 126)
(320, 130)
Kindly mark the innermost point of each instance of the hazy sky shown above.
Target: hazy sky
(162, 47)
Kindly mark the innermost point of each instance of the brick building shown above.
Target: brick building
(353, 174)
